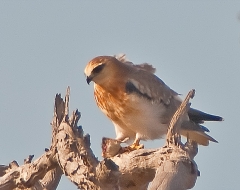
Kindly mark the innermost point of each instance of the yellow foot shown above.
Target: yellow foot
(135, 147)
(132, 148)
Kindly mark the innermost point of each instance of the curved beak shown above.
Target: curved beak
(89, 79)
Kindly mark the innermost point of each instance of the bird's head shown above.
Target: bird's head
(100, 69)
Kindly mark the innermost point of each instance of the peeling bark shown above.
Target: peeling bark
(170, 167)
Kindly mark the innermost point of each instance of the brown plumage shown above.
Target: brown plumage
(140, 104)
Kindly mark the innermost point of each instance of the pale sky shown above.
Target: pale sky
(45, 45)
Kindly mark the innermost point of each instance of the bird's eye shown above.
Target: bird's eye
(98, 68)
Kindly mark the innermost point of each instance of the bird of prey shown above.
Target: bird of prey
(139, 103)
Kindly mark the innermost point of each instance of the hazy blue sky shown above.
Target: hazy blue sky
(45, 45)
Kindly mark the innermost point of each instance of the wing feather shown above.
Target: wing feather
(144, 66)
(148, 85)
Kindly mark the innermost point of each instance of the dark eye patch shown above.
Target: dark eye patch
(98, 69)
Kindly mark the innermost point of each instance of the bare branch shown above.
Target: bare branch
(179, 171)
(70, 154)
(173, 135)
(27, 175)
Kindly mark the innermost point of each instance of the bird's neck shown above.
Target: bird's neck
(109, 85)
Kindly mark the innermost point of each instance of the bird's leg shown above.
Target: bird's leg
(134, 146)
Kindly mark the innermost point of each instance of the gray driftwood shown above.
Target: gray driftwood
(168, 168)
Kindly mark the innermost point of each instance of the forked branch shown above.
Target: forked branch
(170, 167)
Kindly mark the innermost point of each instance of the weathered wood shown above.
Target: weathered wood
(170, 167)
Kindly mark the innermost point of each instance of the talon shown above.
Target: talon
(134, 146)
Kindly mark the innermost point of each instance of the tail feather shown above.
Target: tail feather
(204, 128)
(198, 136)
(199, 116)
(196, 132)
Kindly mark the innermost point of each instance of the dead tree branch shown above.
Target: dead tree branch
(170, 167)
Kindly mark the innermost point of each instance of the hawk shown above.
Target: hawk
(140, 104)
